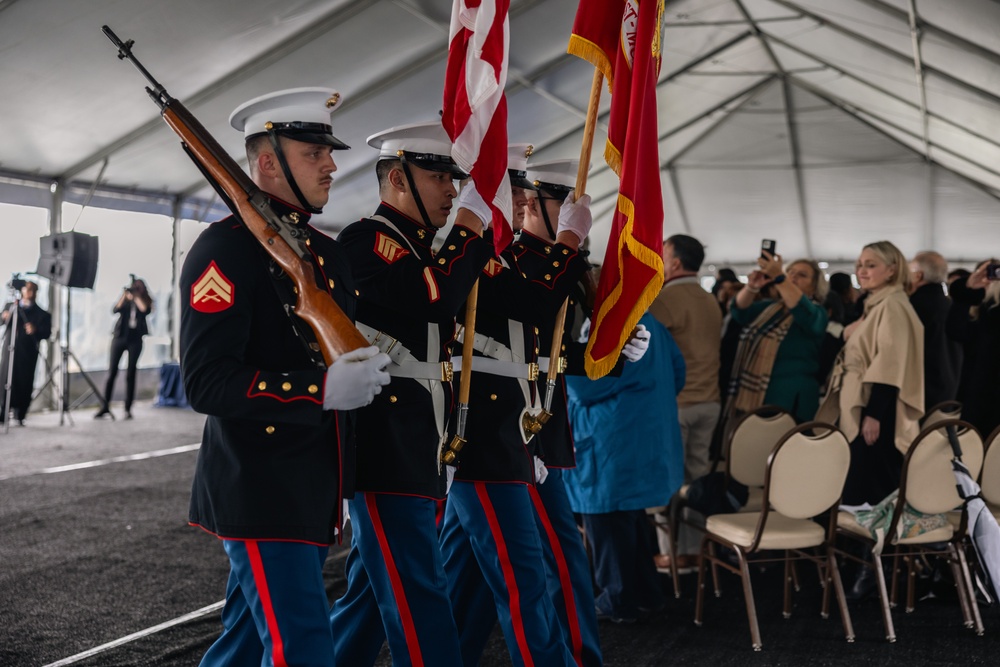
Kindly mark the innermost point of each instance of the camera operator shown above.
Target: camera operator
(34, 326)
(132, 308)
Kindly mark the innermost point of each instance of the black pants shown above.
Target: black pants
(874, 471)
(132, 345)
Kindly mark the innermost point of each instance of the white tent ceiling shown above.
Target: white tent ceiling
(822, 123)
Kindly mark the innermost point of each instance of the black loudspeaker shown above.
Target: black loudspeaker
(68, 259)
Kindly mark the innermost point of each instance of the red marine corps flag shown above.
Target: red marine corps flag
(621, 38)
(475, 108)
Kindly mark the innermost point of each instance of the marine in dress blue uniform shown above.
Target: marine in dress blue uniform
(276, 457)
(489, 533)
(410, 296)
(568, 568)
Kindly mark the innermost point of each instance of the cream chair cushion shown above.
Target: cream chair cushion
(780, 532)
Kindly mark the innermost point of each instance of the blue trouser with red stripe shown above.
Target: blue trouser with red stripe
(568, 569)
(496, 535)
(276, 607)
(398, 565)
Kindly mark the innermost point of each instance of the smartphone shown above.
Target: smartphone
(993, 271)
(769, 245)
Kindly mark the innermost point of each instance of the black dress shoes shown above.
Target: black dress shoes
(864, 584)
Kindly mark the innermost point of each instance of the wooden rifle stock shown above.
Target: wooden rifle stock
(283, 241)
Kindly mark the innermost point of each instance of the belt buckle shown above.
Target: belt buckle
(447, 371)
(533, 371)
(388, 350)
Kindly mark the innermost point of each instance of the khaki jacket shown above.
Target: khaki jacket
(886, 348)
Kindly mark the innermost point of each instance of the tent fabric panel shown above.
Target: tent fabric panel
(973, 67)
(964, 212)
(683, 45)
(533, 31)
(987, 179)
(890, 72)
(828, 135)
(755, 135)
(963, 107)
(865, 99)
(765, 207)
(975, 20)
(49, 82)
(851, 206)
(139, 160)
(681, 102)
(956, 140)
(866, 20)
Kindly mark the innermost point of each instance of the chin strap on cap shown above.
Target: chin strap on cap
(276, 145)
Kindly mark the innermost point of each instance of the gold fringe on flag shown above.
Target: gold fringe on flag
(598, 368)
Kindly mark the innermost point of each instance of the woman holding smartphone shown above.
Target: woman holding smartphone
(777, 359)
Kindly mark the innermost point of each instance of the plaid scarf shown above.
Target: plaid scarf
(758, 347)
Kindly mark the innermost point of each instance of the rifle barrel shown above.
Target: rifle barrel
(157, 92)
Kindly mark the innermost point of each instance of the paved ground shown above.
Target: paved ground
(91, 554)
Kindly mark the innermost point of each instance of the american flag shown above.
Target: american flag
(475, 107)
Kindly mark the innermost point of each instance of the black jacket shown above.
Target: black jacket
(981, 366)
(941, 353)
(412, 295)
(124, 313)
(521, 293)
(273, 464)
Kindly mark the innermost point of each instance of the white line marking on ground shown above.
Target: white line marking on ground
(204, 611)
(194, 615)
(103, 462)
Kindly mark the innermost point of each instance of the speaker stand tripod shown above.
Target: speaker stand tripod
(11, 346)
(62, 368)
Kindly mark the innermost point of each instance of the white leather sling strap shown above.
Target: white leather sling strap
(428, 374)
(502, 360)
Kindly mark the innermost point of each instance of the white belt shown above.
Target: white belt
(510, 369)
(489, 346)
(404, 364)
(543, 365)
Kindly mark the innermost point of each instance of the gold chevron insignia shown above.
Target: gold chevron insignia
(492, 268)
(389, 249)
(212, 292)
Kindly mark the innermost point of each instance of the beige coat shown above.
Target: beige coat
(886, 348)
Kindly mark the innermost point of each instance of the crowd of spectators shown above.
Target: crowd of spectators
(871, 352)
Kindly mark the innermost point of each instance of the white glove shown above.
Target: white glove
(638, 344)
(355, 378)
(541, 472)
(574, 216)
(470, 199)
(584, 331)
(449, 472)
(347, 511)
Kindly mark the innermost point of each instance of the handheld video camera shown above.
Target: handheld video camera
(131, 281)
(16, 282)
(993, 271)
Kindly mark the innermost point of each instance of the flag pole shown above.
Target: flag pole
(588, 133)
(555, 351)
(450, 455)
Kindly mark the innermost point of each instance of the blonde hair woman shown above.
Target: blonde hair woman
(876, 391)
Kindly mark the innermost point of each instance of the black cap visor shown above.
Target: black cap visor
(553, 190)
(310, 133)
(519, 179)
(434, 162)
